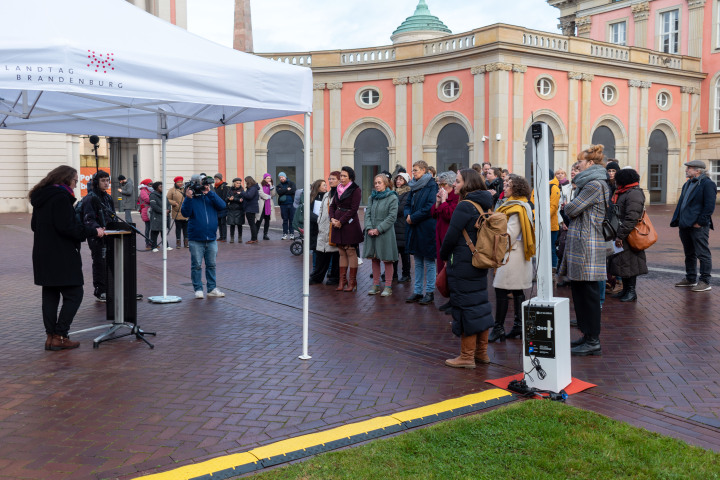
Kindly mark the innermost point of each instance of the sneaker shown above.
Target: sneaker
(155, 250)
(284, 237)
(138, 296)
(169, 248)
(702, 286)
(374, 290)
(215, 293)
(292, 237)
(102, 298)
(360, 262)
(415, 297)
(685, 283)
(199, 294)
(265, 237)
(427, 299)
(387, 291)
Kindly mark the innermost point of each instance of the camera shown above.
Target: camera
(198, 187)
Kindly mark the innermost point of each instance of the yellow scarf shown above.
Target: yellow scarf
(528, 231)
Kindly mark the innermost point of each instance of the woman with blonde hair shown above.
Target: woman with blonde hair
(584, 261)
(380, 244)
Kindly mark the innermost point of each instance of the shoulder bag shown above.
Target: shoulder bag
(643, 235)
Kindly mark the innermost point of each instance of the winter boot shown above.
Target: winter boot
(623, 292)
(352, 282)
(631, 295)
(467, 353)
(501, 308)
(232, 238)
(343, 279)
(481, 345)
(60, 342)
(590, 347)
(517, 323)
(177, 243)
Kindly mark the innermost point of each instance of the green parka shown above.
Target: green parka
(381, 213)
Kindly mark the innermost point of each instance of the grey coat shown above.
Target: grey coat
(126, 196)
(322, 244)
(585, 248)
(381, 214)
(156, 212)
(629, 263)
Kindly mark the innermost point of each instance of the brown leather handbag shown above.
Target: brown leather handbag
(441, 283)
(644, 235)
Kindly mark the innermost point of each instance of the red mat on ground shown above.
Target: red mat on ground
(576, 386)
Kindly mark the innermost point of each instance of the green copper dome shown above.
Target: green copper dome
(421, 20)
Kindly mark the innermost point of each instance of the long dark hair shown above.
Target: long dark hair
(249, 182)
(62, 175)
(473, 181)
(315, 189)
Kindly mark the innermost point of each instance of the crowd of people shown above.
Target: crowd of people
(431, 217)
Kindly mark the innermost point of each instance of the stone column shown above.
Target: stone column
(583, 26)
(573, 116)
(400, 122)
(517, 136)
(643, 134)
(417, 116)
(149, 158)
(319, 169)
(478, 114)
(695, 27)
(335, 127)
(499, 78)
(567, 25)
(231, 145)
(586, 133)
(641, 14)
(255, 163)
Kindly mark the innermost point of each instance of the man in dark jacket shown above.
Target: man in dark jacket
(222, 189)
(202, 213)
(693, 216)
(97, 212)
(286, 196)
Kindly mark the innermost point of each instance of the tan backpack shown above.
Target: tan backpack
(492, 248)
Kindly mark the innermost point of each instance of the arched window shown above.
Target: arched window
(453, 152)
(285, 154)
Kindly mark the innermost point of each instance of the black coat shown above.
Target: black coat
(345, 209)
(236, 208)
(222, 192)
(471, 309)
(420, 234)
(56, 244)
(250, 199)
(628, 263)
(401, 223)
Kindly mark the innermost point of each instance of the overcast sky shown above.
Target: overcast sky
(296, 25)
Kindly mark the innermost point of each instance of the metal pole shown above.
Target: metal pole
(542, 215)
(306, 240)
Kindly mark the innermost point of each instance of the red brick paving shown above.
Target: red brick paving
(224, 376)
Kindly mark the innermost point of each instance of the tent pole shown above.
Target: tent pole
(306, 239)
(163, 135)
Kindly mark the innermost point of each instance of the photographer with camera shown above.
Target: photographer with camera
(201, 207)
(97, 210)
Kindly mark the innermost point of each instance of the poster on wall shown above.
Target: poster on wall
(86, 174)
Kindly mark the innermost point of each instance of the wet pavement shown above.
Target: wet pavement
(224, 374)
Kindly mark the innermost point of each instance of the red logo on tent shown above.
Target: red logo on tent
(100, 62)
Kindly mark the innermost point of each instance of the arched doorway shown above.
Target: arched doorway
(604, 136)
(453, 152)
(529, 145)
(657, 166)
(285, 154)
(371, 157)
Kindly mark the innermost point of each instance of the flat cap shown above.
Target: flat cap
(696, 164)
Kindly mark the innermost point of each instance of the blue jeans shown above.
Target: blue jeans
(696, 245)
(424, 276)
(198, 252)
(601, 286)
(553, 248)
(287, 212)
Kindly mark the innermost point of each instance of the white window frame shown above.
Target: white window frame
(615, 94)
(666, 93)
(550, 82)
(714, 172)
(716, 122)
(670, 33)
(716, 17)
(612, 33)
(442, 95)
(359, 97)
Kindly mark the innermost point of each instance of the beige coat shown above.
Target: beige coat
(516, 274)
(175, 198)
(262, 196)
(322, 244)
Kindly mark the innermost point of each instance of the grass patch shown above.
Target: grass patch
(526, 440)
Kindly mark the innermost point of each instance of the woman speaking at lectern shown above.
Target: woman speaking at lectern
(57, 264)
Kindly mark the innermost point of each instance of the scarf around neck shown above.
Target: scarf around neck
(341, 188)
(420, 183)
(519, 206)
(380, 195)
(623, 190)
(595, 172)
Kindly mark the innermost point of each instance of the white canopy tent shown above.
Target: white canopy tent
(109, 68)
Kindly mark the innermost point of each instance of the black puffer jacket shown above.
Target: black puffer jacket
(56, 246)
(236, 208)
(401, 222)
(471, 310)
(628, 263)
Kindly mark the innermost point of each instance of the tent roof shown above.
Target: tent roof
(106, 67)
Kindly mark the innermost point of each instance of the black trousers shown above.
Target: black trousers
(696, 245)
(181, 227)
(253, 225)
(239, 230)
(72, 298)
(266, 218)
(326, 261)
(222, 227)
(586, 298)
(99, 265)
(405, 258)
